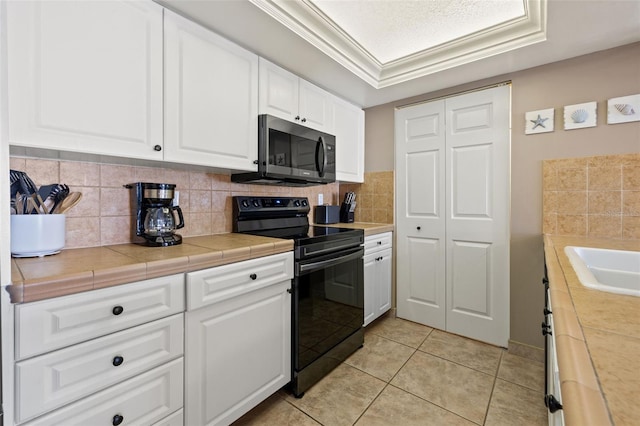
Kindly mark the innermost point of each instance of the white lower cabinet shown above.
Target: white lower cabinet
(377, 276)
(63, 321)
(110, 356)
(142, 400)
(238, 349)
(57, 378)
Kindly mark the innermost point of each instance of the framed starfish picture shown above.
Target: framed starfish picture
(540, 121)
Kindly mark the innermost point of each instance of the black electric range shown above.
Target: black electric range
(327, 303)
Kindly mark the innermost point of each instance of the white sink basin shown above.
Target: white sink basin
(615, 271)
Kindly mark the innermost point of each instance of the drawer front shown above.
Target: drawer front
(214, 285)
(49, 381)
(142, 400)
(373, 243)
(175, 419)
(55, 323)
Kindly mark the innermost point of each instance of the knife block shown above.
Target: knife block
(346, 216)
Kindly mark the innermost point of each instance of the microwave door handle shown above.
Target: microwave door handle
(320, 145)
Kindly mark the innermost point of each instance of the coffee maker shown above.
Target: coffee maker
(155, 220)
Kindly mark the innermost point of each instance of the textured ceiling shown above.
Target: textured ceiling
(392, 29)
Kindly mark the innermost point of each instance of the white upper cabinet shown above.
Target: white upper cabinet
(211, 98)
(86, 76)
(349, 131)
(285, 95)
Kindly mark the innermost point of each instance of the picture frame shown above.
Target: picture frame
(624, 109)
(540, 121)
(580, 116)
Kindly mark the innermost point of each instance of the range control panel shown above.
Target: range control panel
(254, 206)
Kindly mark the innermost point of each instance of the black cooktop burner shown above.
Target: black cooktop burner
(286, 217)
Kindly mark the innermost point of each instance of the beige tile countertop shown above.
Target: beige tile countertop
(598, 340)
(76, 270)
(368, 227)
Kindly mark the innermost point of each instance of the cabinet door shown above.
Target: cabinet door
(86, 76)
(214, 285)
(383, 284)
(370, 292)
(238, 352)
(315, 107)
(211, 98)
(49, 381)
(141, 400)
(62, 321)
(349, 131)
(279, 92)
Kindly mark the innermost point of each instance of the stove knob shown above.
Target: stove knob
(256, 203)
(296, 203)
(245, 204)
(304, 203)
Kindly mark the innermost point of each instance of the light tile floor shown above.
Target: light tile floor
(410, 374)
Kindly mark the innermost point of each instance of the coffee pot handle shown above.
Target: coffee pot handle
(179, 210)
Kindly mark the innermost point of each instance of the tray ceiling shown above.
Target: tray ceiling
(316, 47)
(387, 42)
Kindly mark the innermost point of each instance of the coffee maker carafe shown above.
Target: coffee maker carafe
(155, 216)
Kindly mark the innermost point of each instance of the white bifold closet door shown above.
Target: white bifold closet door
(452, 186)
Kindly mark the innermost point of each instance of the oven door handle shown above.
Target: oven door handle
(306, 267)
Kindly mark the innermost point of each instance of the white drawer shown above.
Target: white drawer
(49, 381)
(55, 323)
(373, 243)
(175, 419)
(142, 400)
(214, 285)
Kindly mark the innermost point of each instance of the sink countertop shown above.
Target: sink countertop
(82, 269)
(598, 340)
(368, 227)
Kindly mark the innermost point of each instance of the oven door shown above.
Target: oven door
(328, 303)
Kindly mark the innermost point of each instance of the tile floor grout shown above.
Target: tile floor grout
(521, 377)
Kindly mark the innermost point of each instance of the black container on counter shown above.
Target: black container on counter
(326, 214)
(346, 213)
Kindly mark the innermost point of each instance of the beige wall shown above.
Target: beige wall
(594, 77)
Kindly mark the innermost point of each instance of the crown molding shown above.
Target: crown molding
(308, 22)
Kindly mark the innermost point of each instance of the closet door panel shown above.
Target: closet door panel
(471, 281)
(477, 216)
(423, 184)
(420, 165)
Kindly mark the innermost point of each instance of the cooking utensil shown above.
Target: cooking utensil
(60, 195)
(70, 201)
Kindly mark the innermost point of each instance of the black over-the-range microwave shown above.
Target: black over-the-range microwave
(291, 154)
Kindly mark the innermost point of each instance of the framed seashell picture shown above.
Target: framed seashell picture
(623, 110)
(580, 115)
(540, 121)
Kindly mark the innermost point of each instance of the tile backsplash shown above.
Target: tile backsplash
(374, 197)
(592, 196)
(104, 216)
